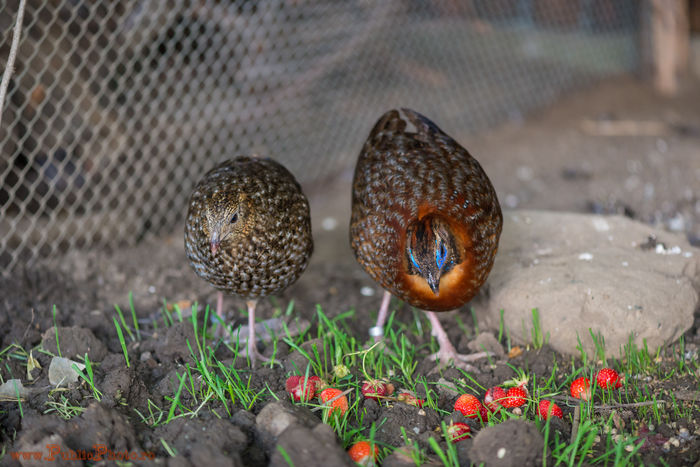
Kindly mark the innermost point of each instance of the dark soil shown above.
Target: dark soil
(547, 162)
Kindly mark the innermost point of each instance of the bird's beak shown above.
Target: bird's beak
(434, 283)
(214, 243)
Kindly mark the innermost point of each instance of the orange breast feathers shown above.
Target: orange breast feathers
(457, 286)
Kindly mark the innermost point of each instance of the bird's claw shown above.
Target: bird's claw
(255, 356)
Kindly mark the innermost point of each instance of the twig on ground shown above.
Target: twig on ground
(574, 425)
(631, 404)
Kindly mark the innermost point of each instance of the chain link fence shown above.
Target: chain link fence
(117, 107)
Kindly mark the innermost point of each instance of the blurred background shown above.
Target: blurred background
(116, 108)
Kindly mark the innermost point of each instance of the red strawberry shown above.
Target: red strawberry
(292, 382)
(410, 399)
(548, 409)
(340, 404)
(471, 407)
(363, 453)
(494, 398)
(376, 389)
(457, 432)
(515, 397)
(581, 388)
(607, 378)
(299, 388)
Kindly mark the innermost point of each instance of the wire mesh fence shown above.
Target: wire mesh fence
(117, 107)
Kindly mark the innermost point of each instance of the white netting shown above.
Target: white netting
(117, 107)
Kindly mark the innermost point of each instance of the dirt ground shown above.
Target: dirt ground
(558, 159)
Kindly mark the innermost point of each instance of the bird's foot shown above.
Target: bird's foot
(448, 355)
(256, 357)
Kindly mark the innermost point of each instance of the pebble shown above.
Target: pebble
(367, 291)
(329, 223)
(511, 201)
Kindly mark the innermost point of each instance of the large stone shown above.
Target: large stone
(589, 272)
(299, 445)
(516, 443)
(276, 417)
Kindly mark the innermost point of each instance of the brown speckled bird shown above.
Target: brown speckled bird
(248, 232)
(425, 220)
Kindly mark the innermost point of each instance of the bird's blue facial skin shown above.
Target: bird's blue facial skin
(440, 254)
(413, 259)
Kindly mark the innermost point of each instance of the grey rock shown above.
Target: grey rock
(12, 388)
(304, 446)
(277, 416)
(214, 442)
(61, 372)
(447, 388)
(590, 272)
(513, 443)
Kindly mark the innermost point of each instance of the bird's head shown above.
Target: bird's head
(228, 216)
(431, 249)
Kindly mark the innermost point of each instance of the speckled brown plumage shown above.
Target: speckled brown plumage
(425, 218)
(248, 229)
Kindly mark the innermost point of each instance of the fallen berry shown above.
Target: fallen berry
(494, 398)
(299, 388)
(581, 388)
(471, 407)
(319, 383)
(340, 371)
(376, 389)
(607, 378)
(292, 382)
(363, 453)
(548, 409)
(340, 403)
(515, 397)
(410, 399)
(457, 432)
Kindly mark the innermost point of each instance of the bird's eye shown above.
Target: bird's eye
(234, 218)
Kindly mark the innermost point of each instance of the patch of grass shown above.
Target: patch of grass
(538, 339)
(120, 335)
(88, 377)
(212, 379)
(63, 407)
(55, 329)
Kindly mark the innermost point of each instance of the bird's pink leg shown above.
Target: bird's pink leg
(447, 351)
(377, 332)
(253, 353)
(221, 329)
